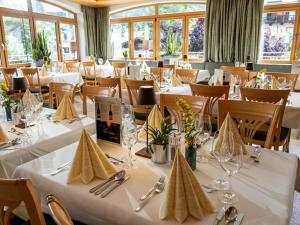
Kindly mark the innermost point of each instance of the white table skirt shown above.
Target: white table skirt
(74, 78)
(265, 189)
(45, 138)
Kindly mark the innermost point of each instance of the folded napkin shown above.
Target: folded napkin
(3, 137)
(218, 83)
(211, 80)
(154, 120)
(228, 127)
(250, 83)
(29, 99)
(65, 110)
(89, 162)
(184, 195)
(175, 80)
(156, 86)
(107, 63)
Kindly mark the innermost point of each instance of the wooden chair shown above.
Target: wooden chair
(187, 76)
(113, 83)
(58, 67)
(282, 134)
(72, 66)
(58, 212)
(171, 68)
(89, 69)
(243, 76)
(232, 68)
(8, 74)
(289, 77)
(140, 112)
(12, 193)
(34, 84)
(168, 106)
(120, 69)
(250, 117)
(57, 92)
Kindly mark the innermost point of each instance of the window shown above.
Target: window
(17, 40)
(14, 4)
(277, 35)
(273, 2)
(49, 29)
(143, 39)
(180, 8)
(68, 41)
(138, 12)
(45, 8)
(120, 39)
(196, 38)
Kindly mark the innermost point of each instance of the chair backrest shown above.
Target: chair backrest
(89, 68)
(8, 74)
(57, 92)
(288, 76)
(250, 117)
(30, 74)
(58, 212)
(133, 88)
(232, 68)
(168, 104)
(268, 96)
(72, 66)
(12, 193)
(170, 67)
(92, 91)
(243, 76)
(120, 69)
(58, 67)
(187, 76)
(212, 93)
(112, 83)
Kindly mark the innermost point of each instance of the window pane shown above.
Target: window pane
(14, 4)
(119, 37)
(143, 39)
(180, 8)
(196, 38)
(145, 11)
(49, 29)
(18, 40)
(68, 41)
(45, 8)
(277, 35)
(171, 37)
(274, 2)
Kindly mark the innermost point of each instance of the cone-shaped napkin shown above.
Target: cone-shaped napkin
(218, 83)
(229, 127)
(89, 162)
(184, 196)
(154, 120)
(156, 86)
(65, 110)
(3, 136)
(175, 80)
(29, 99)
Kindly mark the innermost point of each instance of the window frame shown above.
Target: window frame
(33, 17)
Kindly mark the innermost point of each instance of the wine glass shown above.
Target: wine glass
(129, 138)
(38, 108)
(204, 128)
(231, 161)
(127, 112)
(281, 82)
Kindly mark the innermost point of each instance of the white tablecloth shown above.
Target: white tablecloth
(203, 75)
(102, 71)
(265, 189)
(74, 78)
(45, 138)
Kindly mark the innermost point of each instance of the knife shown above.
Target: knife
(112, 187)
(219, 216)
(239, 219)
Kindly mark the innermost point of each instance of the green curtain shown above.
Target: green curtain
(232, 30)
(96, 28)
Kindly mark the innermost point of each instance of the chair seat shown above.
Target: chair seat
(44, 90)
(88, 78)
(262, 135)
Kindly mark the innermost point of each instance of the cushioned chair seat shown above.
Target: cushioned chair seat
(261, 135)
(44, 90)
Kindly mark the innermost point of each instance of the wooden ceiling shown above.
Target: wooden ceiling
(105, 3)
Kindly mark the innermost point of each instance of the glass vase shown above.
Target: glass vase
(8, 113)
(191, 156)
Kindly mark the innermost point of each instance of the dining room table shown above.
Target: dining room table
(101, 70)
(265, 189)
(44, 137)
(73, 78)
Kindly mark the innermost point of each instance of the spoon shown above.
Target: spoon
(230, 214)
(119, 176)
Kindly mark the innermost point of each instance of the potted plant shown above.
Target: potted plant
(7, 101)
(40, 50)
(125, 55)
(171, 47)
(159, 142)
(190, 132)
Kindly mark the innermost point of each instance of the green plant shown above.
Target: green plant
(40, 47)
(125, 54)
(6, 99)
(160, 137)
(171, 46)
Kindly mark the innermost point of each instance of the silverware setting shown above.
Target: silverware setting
(208, 189)
(77, 119)
(230, 214)
(159, 182)
(219, 216)
(15, 131)
(113, 186)
(60, 168)
(114, 160)
(256, 154)
(11, 143)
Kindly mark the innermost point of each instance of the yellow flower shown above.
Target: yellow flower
(3, 87)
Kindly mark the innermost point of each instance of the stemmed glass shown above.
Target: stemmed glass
(204, 128)
(231, 160)
(129, 138)
(127, 112)
(38, 108)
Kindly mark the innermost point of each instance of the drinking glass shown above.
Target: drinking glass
(204, 128)
(129, 138)
(282, 82)
(127, 112)
(38, 108)
(231, 160)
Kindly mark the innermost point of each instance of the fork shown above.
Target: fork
(159, 182)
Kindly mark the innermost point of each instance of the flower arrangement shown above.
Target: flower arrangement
(6, 99)
(188, 120)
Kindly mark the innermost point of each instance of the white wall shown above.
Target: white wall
(76, 8)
